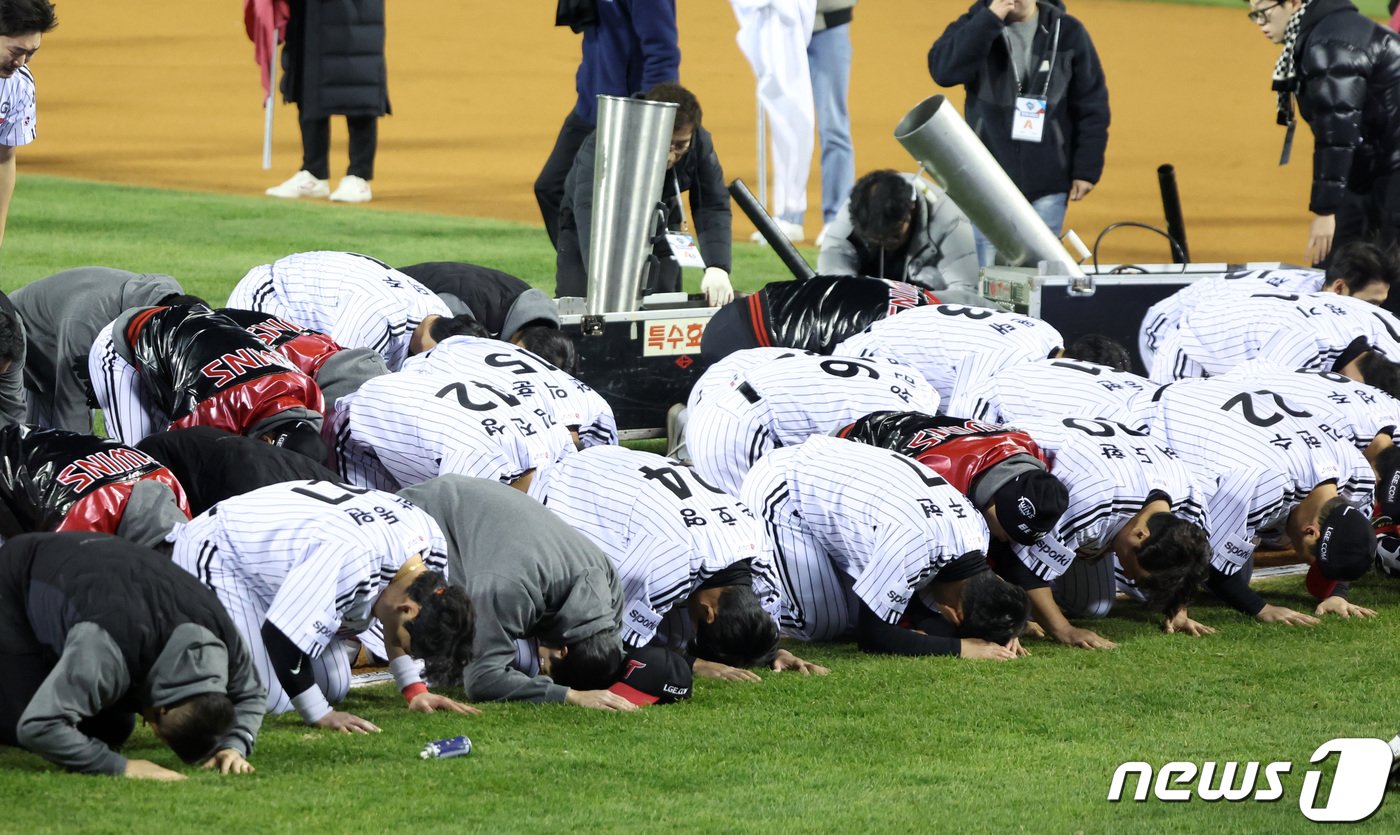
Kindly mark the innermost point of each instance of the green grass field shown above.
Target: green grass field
(881, 744)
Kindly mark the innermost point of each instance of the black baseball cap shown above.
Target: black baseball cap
(653, 675)
(1029, 505)
(1346, 547)
(300, 436)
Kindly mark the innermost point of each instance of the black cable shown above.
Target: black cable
(1176, 247)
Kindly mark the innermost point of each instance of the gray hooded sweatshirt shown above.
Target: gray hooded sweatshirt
(528, 574)
(62, 316)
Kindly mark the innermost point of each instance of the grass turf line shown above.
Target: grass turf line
(881, 744)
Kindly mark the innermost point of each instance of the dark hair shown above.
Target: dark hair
(742, 634)
(1380, 372)
(443, 633)
(549, 344)
(180, 298)
(193, 728)
(11, 338)
(688, 113)
(880, 202)
(592, 663)
(993, 609)
(20, 17)
(1360, 263)
(1176, 558)
(1104, 350)
(464, 325)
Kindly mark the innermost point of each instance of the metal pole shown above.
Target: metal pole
(1171, 207)
(792, 259)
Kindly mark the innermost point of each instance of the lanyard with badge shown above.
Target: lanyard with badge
(682, 243)
(1029, 122)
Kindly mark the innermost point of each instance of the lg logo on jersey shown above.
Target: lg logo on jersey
(1357, 785)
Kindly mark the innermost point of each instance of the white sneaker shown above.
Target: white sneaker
(352, 189)
(793, 231)
(302, 184)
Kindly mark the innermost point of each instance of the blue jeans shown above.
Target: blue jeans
(1051, 209)
(829, 63)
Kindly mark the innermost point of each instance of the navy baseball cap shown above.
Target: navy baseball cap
(1346, 547)
(653, 675)
(1029, 505)
(300, 436)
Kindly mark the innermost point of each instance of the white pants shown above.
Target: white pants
(817, 601)
(128, 416)
(773, 35)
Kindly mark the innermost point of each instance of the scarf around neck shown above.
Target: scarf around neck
(1285, 69)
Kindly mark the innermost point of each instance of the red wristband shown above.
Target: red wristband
(413, 690)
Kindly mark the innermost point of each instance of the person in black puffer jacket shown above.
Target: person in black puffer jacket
(1344, 71)
(1002, 50)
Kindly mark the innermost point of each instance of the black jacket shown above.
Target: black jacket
(488, 294)
(1348, 90)
(217, 465)
(973, 52)
(333, 61)
(817, 313)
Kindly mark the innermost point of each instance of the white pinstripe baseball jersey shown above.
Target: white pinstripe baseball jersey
(956, 347)
(785, 401)
(420, 426)
(527, 376)
(664, 529)
(1163, 317)
(312, 555)
(886, 522)
(1110, 470)
(19, 119)
(727, 373)
(358, 301)
(1295, 331)
(1337, 403)
(1048, 388)
(1263, 454)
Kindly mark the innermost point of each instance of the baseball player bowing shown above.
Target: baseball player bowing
(1048, 388)
(956, 347)
(404, 428)
(1360, 269)
(528, 376)
(157, 368)
(860, 534)
(1266, 467)
(548, 602)
(785, 401)
(93, 630)
(356, 300)
(680, 546)
(1316, 331)
(54, 480)
(1132, 503)
(302, 567)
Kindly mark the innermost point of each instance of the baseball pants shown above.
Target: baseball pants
(726, 434)
(117, 385)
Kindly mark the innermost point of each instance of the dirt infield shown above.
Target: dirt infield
(170, 98)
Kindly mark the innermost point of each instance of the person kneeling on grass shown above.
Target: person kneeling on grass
(548, 601)
(95, 629)
(860, 533)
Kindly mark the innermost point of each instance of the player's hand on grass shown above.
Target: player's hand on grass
(430, 702)
(785, 660)
(1033, 630)
(229, 761)
(713, 669)
(1320, 233)
(981, 650)
(1279, 614)
(1015, 646)
(597, 699)
(1182, 623)
(147, 770)
(1074, 636)
(1336, 605)
(346, 723)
